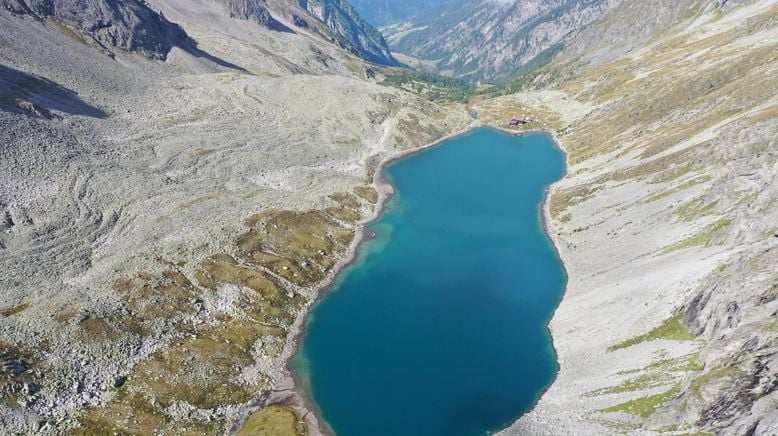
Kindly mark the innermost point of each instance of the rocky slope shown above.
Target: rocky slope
(493, 40)
(128, 25)
(666, 221)
(134, 26)
(358, 35)
(164, 224)
(253, 10)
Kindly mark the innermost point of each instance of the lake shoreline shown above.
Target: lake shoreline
(294, 392)
(548, 229)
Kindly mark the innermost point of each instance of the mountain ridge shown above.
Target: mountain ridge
(488, 40)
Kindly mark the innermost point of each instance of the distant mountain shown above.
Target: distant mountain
(491, 39)
(353, 32)
(383, 12)
(134, 26)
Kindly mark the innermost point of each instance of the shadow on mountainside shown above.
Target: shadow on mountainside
(34, 95)
(191, 47)
(127, 25)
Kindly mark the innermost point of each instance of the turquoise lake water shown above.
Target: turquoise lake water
(439, 326)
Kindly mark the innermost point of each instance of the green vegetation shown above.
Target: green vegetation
(687, 184)
(561, 200)
(199, 368)
(434, 86)
(711, 376)
(348, 209)
(695, 209)
(657, 374)
(273, 420)
(640, 383)
(694, 11)
(14, 310)
(670, 329)
(689, 362)
(368, 193)
(645, 406)
(528, 72)
(701, 239)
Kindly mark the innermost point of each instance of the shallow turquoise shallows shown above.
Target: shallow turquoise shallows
(439, 327)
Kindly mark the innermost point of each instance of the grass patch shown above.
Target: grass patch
(301, 247)
(344, 214)
(654, 375)
(701, 239)
(690, 362)
(5, 313)
(709, 377)
(561, 200)
(645, 406)
(273, 420)
(670, 329)
(435, 87)
(368, 193)
(695, 209)
(640, 383)
(686, 185)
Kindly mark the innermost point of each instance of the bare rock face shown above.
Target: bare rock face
(124, 24)
(255, 10)
(353, 32)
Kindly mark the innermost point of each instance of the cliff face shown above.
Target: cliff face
(666, 222)
(252, 10)
(493, 40)
(128, 25)
(357, 35)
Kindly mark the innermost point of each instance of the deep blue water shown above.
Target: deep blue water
(439, 327)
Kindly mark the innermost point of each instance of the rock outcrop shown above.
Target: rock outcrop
(355, 34)
(127, 24)
(255, 10)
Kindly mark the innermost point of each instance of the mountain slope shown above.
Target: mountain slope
(666, 221)
(332, 20)
(493, 40)
(361, 37)
(157, 218)
(128, 25)
(252, 10)
(134, 26)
